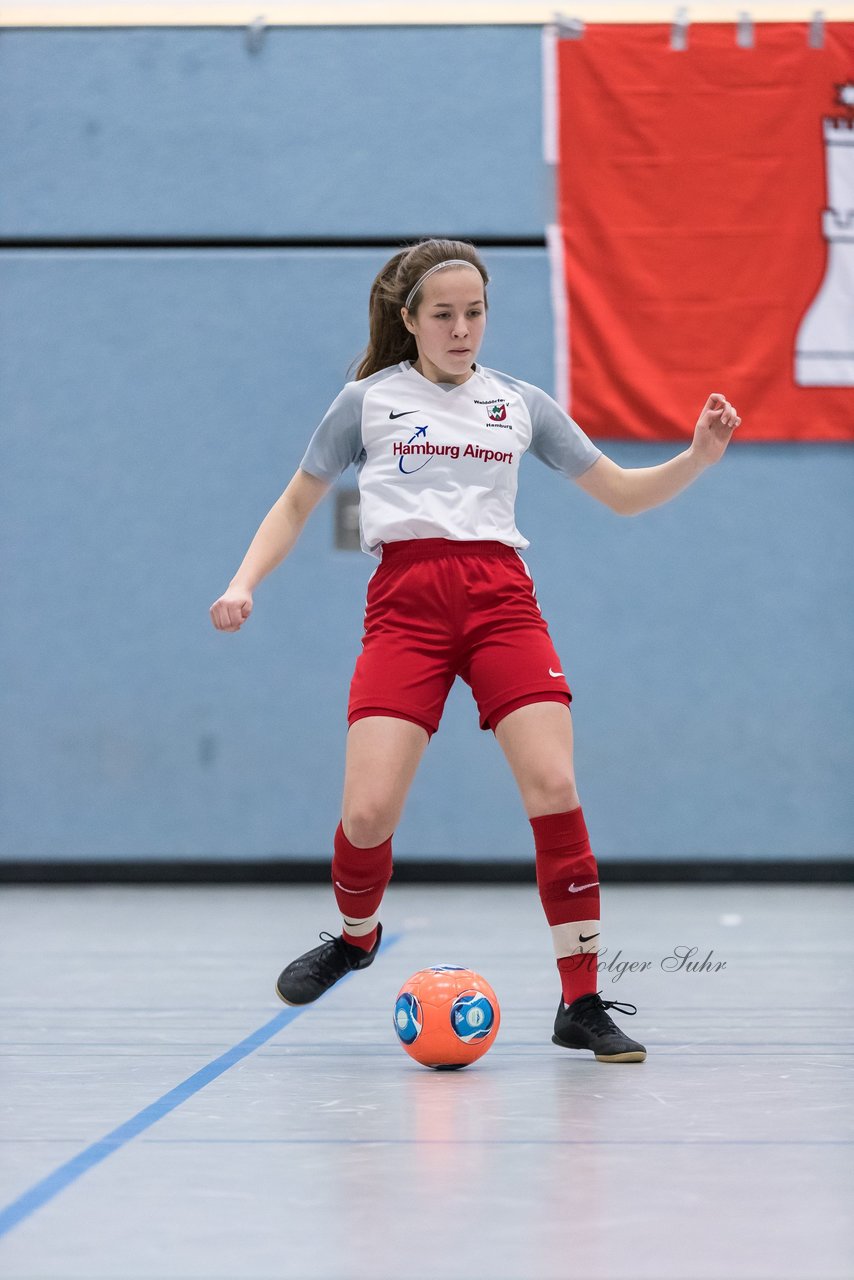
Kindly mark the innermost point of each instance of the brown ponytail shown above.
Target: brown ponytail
(389, 340)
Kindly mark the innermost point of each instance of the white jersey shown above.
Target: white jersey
(441, 460)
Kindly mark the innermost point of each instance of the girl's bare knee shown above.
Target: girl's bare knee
(555, 794)
(366, 825)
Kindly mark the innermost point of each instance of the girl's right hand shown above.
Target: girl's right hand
(231, 610)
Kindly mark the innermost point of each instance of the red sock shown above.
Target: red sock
(568, 881)
(359, 877)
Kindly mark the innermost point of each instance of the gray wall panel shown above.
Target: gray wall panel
(153, 406)
(324, 132)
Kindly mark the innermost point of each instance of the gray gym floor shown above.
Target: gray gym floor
(139, 1141)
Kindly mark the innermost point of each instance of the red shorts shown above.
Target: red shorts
(437, 609)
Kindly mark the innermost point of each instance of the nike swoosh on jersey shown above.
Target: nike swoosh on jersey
(577, 888)
(394, 415)
(556, 673)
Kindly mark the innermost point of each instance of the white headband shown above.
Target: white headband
(450, 262)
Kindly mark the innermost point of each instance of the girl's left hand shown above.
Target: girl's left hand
(714, 429)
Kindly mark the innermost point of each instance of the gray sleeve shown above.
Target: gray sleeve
(557, 440)
(338, 439)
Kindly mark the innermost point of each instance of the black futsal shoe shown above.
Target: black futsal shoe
(586, 1024)
(311, 974)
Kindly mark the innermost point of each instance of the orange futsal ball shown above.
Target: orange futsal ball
(446, 1017)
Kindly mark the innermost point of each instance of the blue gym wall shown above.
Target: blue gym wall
(155, 402)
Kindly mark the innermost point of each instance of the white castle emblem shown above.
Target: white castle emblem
(824, 347)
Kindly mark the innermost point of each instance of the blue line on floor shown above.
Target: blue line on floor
(48, 1187)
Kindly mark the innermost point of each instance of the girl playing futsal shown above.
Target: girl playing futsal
(436, 440)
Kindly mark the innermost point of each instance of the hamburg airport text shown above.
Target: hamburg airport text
(452, 451)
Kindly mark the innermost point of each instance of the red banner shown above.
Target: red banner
(706, 230)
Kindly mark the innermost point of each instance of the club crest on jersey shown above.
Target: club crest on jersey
(496, 411)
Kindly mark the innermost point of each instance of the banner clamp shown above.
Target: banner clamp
(745, 36)
(256, 33)
(568, 28)
(679, 31)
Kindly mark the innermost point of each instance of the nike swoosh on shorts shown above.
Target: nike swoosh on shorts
(556, 673)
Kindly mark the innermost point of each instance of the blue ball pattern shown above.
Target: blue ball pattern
(472, 1016)
(408, 1019)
